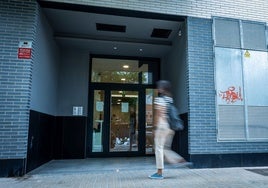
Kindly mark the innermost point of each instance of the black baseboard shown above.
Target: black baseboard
(180, 141)
(70, 139)
(12, 167)
(52, 137)
(229, 160)
(40, 139)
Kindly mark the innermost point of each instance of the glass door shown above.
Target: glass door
(124, 121)
(115, 122)
(98, 121)
(149, 113)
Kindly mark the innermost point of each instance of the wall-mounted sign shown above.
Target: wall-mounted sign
(247, 54)
(99, 106)
(77, 110)
(124, 107)
(25, 50)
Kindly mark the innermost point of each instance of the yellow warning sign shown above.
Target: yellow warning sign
(247, 54)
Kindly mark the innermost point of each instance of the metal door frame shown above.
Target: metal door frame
(107, 88)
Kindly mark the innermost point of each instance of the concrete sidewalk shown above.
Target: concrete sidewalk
(133, 172)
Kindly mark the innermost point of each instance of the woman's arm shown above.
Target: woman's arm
(156, 116)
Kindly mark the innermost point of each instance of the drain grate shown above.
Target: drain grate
(261, 171)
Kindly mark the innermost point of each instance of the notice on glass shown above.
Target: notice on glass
(124, 107)
(99, 106)
(149, 99)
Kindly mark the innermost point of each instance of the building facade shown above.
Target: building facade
(64, 94)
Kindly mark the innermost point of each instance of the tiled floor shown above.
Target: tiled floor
(132, 173)
(95, 164)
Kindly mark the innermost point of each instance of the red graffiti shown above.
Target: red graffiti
(231, 96)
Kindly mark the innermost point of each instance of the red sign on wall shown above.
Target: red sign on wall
(25, 50)
(24, 53)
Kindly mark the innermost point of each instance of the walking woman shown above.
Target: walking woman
(163, 135)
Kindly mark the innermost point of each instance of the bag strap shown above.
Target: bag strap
(167, 101)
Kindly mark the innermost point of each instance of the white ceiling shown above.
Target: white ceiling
(76, 29)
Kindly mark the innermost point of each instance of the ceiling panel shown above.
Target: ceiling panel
(77, 29)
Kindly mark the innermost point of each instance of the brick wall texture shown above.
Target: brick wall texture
(256, 10)
(17, 23)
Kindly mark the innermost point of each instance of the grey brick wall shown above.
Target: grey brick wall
(202, 112)
(17, 21)
(248, 10)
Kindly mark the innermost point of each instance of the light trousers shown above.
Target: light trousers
(163, 141)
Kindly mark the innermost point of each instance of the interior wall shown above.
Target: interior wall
(45, 69)
(44, 91)
(73, 81)
(174, 69)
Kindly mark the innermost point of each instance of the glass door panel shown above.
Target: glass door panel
(149, 147)
(98, 117)
(124, 121)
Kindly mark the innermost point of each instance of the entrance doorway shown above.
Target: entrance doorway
(121, 106)
(116, 117)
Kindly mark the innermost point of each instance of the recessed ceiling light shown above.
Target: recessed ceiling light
(125, 66)
(115, 48)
